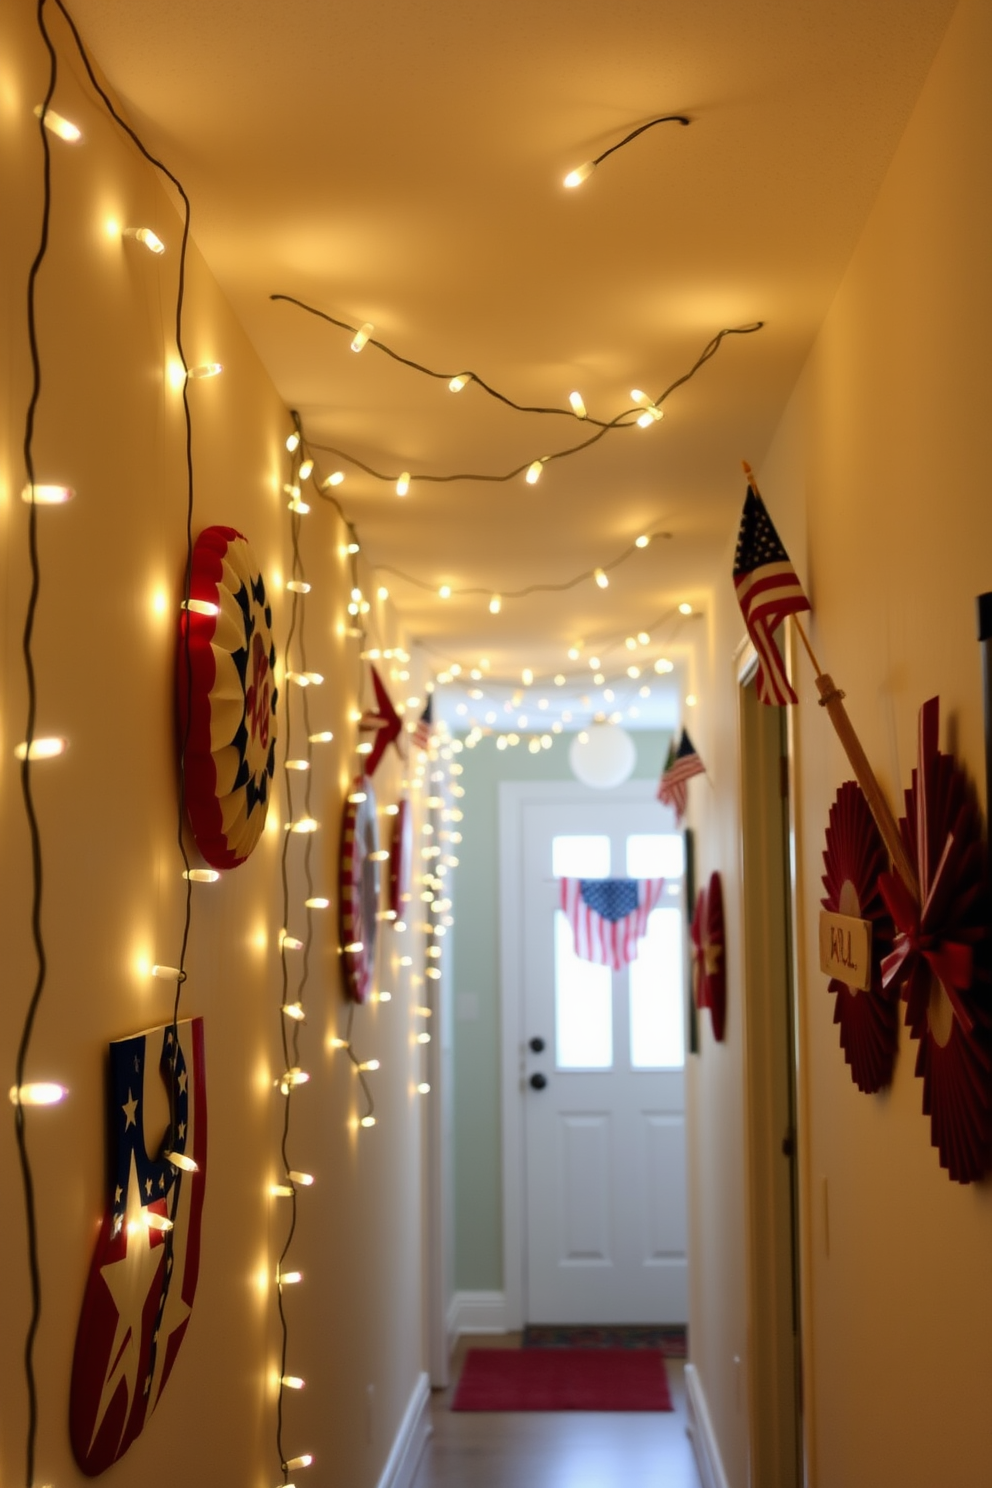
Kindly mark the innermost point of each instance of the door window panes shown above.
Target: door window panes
(656, 1009)
(580, 857)
(654, 855)
(583, 1005)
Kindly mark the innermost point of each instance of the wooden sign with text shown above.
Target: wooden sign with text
(845, 949)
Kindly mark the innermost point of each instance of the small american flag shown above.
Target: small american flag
(425, 726)
(767, 591)
(682, 763)
(609, 916)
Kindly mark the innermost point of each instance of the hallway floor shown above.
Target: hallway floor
(568, 1449)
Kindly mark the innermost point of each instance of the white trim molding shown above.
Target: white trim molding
(476, 1312)
(700, 1430)
(411, 1438)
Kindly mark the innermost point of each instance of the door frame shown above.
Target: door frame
(514, 795)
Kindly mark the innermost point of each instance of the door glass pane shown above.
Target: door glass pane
(654, 855)
(580, 857)
(656, 1012)
(583, 1006)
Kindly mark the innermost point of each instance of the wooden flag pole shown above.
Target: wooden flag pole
(832, 698)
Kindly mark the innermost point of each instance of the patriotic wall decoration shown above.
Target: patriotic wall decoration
(940, 956)
(867, 1015)
(358, 884)
(400, 859)
(382, 721)
(709, 954)
(228, 698)
(609, 916)
(680, 766)
(767, 591)
(142, 1281)
(424, 731)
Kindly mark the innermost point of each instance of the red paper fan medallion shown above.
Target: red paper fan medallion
(939, 960)
(400, 860)
(713, 956)
(358, 881)
(227, 698)
(853, 858)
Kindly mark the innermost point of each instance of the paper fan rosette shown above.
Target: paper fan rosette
(939, 960)
(853, 858)
(227, 697)
(358, 883)
(714, 960)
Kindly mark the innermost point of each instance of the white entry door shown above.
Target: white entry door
(601, 1074)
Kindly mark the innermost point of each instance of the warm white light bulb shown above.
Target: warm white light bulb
(296, 764)
(357, 797)
(354, 948)
(534, 472)
(297, 586)
(633, 672)
(444, 592)
(580, 173)
(305, 1180)
(578, 407)
(41, 749)
(180, 1160)
(318, 902)
(685, 608)
(601, 578)
(690, 699)
(62, 127)
(291, 943)
(301, 508)
(457, 383)
(353, 548)
(288, 1278)
(306, 468)
(293, 442)
(280, 1191)
(423, 1088)
(642, 541)
(367, 1121)
(157, 1221)
(324, 737)
(292, 1382)
(403, 484)
(200, 607)
(362, 335)
(663, 665)
(38, 1093)
(334, 479)
(202, 875)
(295, 1011)
(643, 638)
(47, 495)
(205, 369)
(305, 824)
(167, 973)
(382, 592)
(495, 604)
(147, 238)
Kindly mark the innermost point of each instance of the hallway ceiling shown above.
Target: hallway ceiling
(402, 164)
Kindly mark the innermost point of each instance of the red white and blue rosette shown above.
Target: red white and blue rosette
(358, 889)
(227, 697)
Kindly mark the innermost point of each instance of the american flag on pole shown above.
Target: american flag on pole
(767, 591)
(680, 766)
(425, 726)
(609, 916)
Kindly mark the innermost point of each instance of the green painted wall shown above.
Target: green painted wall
(477, 1175)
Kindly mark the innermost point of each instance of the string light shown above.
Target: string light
(685, 608)
(583, 172)
(41, 749)
(362, 335)
(403, 484)
(601, 579)
(146, 238)
(305, 470)
(578, 406)
(457, 383)
(40, 495)
(38, 1093)
(334, 479)
(292, 1381)
(495, 605)
(293, 442)
(288, 1278)
(534, 472)
(297, 586)
(63, 128)
(201, 875)
(168, 973)
(324, 737)
(204, 370)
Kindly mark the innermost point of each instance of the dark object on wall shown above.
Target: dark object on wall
(708, 955)
(855, 935)
(984, 607)
(400, 860)
(689, 880)
(358, 885)
(142, 1280)
(226, 697)
(940, 957)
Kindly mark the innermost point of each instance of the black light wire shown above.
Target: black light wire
(37, 865)
(625, 420)
(160, 166)
(662, 119)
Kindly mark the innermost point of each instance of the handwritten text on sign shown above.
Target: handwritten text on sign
(845, 949)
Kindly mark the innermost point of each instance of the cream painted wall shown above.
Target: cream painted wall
(877, 479)
(112, 565)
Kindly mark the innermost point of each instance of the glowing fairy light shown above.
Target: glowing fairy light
(362, 335)
(457, 383)
(38, 495)
(534, 472)
(579, 174)
(403, 484)
(41, 749)
(37, 1093)
(63, 128)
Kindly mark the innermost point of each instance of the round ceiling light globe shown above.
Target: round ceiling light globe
(606, 759)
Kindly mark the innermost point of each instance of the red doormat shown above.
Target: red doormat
(558, 1379)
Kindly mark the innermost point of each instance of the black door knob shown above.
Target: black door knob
(537, 1045)
(538, 1081)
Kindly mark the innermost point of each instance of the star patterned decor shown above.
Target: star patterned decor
(142, 1280)
(400, 859)
(939, 960)
(229, 698)
(853, 858)
(358, 883)
(383, 722)
(708, 969)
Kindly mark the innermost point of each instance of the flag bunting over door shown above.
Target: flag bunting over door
(609, 916)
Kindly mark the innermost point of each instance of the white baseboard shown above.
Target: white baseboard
(411, 1438)
(700, 1429)
(476, 1312)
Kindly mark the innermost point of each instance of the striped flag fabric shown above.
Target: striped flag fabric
(767, 591)
(609, 916)
(680, 766)
(425, 726)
